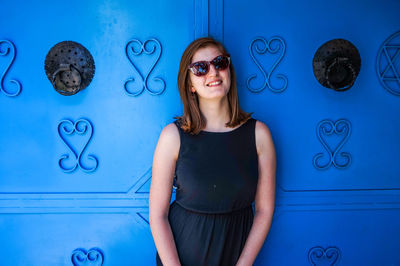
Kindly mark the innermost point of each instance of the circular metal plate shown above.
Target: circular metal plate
(70, 67)
(343, 61)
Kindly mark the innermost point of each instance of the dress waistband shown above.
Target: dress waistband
(236, 211)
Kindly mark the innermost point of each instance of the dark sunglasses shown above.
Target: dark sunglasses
(201, 68)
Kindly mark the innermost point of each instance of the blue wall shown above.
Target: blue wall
(335, 216)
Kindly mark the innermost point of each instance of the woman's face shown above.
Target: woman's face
(216, 83)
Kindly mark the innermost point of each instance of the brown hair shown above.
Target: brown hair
(192, 120)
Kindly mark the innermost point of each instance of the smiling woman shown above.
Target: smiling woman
(223, 161)
(193, 88)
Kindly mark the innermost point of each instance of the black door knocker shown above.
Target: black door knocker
(336, 64)
(70, 67)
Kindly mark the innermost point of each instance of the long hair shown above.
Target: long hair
(192, 120)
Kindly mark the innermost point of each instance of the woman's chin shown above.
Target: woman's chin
(215, 96)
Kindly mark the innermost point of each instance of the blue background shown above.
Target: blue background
(47, 214)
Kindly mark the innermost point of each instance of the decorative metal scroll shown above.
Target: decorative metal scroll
(327, 127)
(10, 49)
(267, 47)
(147, 49)
(388, 64)
(81, 127)
(94, 256)
(320, 256)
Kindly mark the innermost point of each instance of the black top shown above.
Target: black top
(217, 172)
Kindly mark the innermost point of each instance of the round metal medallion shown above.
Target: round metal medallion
(336, 64)
(70, 67)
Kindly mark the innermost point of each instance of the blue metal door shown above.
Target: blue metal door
(337, 152)
(75, 170)
(64, 203)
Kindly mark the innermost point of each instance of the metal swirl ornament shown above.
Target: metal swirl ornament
(327, 127)
(81, 127)
(92, 257)
(320, 256)
(147, 49)
(10, 48)
(267, 47)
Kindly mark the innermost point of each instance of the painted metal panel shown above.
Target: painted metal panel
(294, 113)
(333, 237)
(61, 202)
(352, 204)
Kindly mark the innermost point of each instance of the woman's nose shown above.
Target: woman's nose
(213, 71)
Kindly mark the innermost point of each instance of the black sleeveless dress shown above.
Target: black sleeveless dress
(216, 179)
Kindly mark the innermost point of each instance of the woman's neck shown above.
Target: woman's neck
(216, 113)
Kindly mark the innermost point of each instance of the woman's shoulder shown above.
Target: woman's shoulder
(263, 136)
(261, 126)
(170, 131)
(169, 141)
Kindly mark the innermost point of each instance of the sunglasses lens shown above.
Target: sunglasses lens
(200, 68)
(221, 62)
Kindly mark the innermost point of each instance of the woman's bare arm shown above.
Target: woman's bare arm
(164, 162)
(265, 196)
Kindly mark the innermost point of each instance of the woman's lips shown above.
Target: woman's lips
(214, 83)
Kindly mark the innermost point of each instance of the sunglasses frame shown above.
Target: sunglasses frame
(208, 63)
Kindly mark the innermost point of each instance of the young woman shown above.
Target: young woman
(222, 160)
